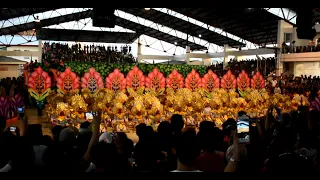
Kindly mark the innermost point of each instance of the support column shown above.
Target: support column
(139, 50)
(225, 57)
(188, 54)
(280, 40)
(40, 50)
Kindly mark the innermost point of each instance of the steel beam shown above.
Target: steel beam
(284, 13)
(86, 36)
(9, 13)
(219, 31)
(45, 22)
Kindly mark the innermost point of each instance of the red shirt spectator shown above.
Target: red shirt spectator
(211, 161)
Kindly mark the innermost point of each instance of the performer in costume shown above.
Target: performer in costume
(39, 84)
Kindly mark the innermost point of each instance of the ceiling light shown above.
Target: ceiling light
(199, 35)
(175, 43)
(147, 9)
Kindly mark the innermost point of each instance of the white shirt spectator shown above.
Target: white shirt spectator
(274, 83)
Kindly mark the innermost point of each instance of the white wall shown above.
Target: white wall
(283, 27)
(307, 68)
(9, 70)
(23, 48)
(196, 62)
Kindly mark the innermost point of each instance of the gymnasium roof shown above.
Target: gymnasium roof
(196, 27)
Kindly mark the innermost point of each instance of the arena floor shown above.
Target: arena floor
(34, 119)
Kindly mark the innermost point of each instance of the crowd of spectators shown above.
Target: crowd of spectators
(90, 53)
(264, 65)
(30, 66)
(289, 84)
(11, 84)
(311, 47)
(284, 143)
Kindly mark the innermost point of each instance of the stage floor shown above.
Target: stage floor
(34, 119)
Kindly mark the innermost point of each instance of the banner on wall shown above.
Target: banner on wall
(4, 68)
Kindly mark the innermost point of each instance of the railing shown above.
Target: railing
(300, 57)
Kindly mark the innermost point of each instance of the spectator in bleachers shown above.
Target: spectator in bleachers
(57, 52)
(311, 47)
(250, 66)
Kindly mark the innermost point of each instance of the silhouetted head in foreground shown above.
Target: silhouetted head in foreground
(187, 148)
(3, 123)
(164, 128)
(141, 130)
(177, 123)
